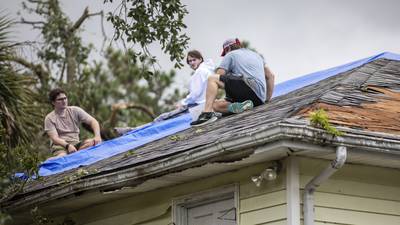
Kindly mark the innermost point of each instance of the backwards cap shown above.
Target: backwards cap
(229, 42)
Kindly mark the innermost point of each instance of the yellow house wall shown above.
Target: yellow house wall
(266, 204)
(356, 194)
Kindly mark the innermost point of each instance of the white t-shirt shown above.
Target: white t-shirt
(198, 83)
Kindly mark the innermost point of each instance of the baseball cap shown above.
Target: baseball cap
(229, 42)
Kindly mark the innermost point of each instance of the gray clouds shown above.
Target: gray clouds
(296, 37)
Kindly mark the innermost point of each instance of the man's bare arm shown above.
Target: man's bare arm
(96, 130)
(270, 79)
(221, 71)
(53, 135)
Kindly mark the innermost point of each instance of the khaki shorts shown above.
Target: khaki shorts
(57, 149)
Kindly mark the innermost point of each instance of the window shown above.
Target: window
(214, 207)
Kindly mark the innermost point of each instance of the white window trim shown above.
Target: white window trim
(180, 204)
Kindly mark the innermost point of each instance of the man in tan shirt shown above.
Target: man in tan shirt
(62, 125)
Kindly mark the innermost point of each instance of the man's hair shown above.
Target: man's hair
(54, 93)
(235, 46)
(195, 54)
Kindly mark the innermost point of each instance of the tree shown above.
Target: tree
(63, 62)
(62, 50)
(17, 113)
(144, 22)
(125, 79)
(119, 94)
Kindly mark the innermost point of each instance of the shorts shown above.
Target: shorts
(55, 149)
(236, 90)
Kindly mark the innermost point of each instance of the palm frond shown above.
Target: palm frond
(19, 116)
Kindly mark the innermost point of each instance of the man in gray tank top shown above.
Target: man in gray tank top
(246, 79)
(62, 125)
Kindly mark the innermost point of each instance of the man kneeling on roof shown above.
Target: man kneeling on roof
(247, 81)
(62, 125)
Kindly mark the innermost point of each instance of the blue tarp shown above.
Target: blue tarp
(156, 130)
(294, 84)
(135, 138)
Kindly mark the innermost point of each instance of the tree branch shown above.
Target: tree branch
(34, 24)
(83, 17)
(37, 69)
(79, 22)
(120, 106)
(31, 22)
(37, 1)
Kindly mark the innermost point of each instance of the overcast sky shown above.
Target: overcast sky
(296, 37)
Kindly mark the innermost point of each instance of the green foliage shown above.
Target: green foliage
(4, 218)
(119, 80)
(175, 138)
(129, 153)
(144, 22)
(96, 87)
(18, 115)
(77, 175)
(124, 78)
(62, 49)
(319, 118)
(17, 126)
(40, 219)
(18, 111)
(246, 44)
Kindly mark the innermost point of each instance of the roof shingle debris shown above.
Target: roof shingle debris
(370, 101)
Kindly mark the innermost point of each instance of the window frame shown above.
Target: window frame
(181, 204)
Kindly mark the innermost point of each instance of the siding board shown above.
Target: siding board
(357, 203)
(263, 216)
(263, 201)
(279, 222)
(356, 194)
(354, 217)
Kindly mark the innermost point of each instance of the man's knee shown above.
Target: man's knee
(59, 153)
(215, 79)
(221, 105)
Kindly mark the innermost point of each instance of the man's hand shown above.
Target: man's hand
(178, 105)
(92, 141)
(71, 148)
(97, 140)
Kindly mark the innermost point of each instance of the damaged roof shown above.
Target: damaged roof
(364, 101)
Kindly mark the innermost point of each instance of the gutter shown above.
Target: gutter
(263, 137)
(309, 190)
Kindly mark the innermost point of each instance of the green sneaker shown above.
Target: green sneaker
(239, 107)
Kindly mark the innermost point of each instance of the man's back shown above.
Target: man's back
(249, 64)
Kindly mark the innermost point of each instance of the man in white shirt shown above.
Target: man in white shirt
(198, 82)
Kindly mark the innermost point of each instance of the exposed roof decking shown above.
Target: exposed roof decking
(374, 106)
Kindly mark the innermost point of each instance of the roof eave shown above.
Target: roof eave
(274, 136)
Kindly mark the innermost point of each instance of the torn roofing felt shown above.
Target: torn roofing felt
(155, 131)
